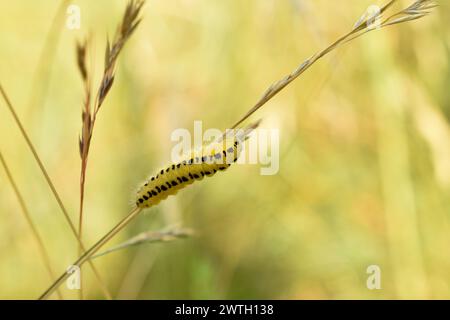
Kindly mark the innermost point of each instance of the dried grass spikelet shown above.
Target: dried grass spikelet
(128, 25)
(418, 9)
(150, 237)
(126, 28)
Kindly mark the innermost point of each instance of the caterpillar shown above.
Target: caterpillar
(200, 163)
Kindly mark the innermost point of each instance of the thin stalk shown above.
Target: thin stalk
(84, 150)
(417, 10)
(34, 231)
(51, 185)
(80, 214)
(126, 28)
(149, 237)
(92, 250)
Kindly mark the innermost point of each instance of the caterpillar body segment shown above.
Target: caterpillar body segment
(201, 163)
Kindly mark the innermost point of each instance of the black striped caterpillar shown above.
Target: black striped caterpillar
(201, 163)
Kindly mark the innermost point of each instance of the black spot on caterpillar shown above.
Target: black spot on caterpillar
(205, 162)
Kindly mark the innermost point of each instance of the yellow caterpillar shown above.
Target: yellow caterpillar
(205, 162)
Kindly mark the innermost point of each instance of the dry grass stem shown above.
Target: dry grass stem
(34, 231)
(365, 24)
(129, 23)
(150, 237)
(89, 253)
(50, 184)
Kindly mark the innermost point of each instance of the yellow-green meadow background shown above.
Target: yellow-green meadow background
(364, 173)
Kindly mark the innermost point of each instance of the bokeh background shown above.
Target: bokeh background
(364, 150)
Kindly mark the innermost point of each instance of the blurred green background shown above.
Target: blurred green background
(364, 151)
